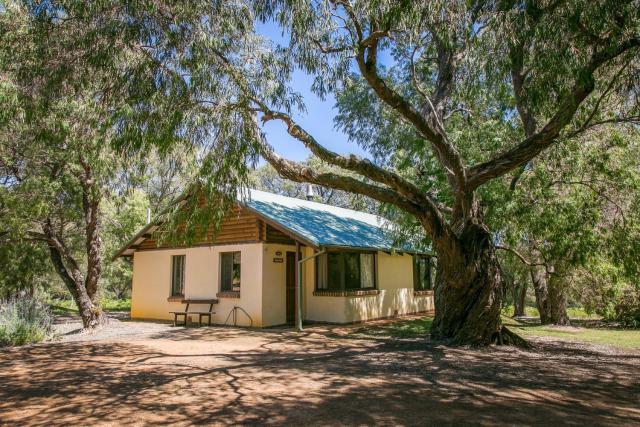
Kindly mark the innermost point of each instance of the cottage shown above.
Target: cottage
(276, 259)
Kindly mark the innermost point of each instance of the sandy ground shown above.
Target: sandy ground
(149, 373)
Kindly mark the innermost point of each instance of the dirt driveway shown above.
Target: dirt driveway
(218, 375)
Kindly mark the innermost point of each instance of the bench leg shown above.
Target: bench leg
(175, 319)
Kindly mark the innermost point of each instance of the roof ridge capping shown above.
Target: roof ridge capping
(266, 196)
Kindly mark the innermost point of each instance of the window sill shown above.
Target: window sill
(424, 293)
(175, 298)
(346, 293)
(228, 294)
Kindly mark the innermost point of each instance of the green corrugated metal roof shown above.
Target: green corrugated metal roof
(316, 223)
(321, 224)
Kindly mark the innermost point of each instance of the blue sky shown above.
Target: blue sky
(318, 120)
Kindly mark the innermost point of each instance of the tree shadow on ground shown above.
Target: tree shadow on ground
(230, 376)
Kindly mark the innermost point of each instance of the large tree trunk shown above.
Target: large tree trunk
(468, 296)
(550, 298)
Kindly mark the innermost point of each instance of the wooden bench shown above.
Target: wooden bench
(200, 314)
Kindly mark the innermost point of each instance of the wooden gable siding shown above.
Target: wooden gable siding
(273, 235)
(239, 226)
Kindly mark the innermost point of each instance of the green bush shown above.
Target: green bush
(627, 308)
(24, 320)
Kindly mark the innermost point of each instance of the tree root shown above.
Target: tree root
(508, 337)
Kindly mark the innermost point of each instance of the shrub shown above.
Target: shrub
(627, 308)
(24, 320)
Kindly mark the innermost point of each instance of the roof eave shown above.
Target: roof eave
(286, 230)
(377, 248)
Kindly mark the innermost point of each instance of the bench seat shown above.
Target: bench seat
(200, 313)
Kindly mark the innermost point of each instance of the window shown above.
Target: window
(345, 271)
(230, 271)
(177, 275)
(421, 273)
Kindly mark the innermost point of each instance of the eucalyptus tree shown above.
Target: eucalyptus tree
(479, 90)
(53, 196)
(55, 166)
(572, 212)
(451, 97)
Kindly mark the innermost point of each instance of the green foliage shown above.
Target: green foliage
(65, 306)
(24, 266)
(24, 320)
(575, 211)
(59, 154)
(627, 307)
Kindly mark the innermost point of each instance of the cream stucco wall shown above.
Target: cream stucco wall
(152, 282)
(263, 289)
(274, 284)
(396, 297)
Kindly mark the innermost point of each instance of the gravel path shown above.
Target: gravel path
(119, 325)
(143, 373)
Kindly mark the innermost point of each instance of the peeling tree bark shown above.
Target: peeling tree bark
(82, 285)
(519, 297)
(468, 295)
(550, 297)
(90, 313)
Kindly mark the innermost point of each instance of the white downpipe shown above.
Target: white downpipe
(299, 314)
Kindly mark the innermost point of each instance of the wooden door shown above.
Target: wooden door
(291, 287)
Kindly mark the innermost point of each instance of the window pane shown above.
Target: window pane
(422, 272)
(182, 261)
(427, 273)
(351, 270)
(367, 271)
(177, 275)
(321, 271)
(335, 267)
(226, 270)
(236, 270)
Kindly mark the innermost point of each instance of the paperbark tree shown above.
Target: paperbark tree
(54, 164)
(468, 280)
(51, 196)
(440, 92)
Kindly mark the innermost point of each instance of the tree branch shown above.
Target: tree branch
(447, 155)
(436, 225)
(536, 143)
(353, 163)
(520, 256)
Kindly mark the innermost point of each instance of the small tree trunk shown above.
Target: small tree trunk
(557, 303)
(468, 293)
(550, 298)
(90, 313)
(519, 300)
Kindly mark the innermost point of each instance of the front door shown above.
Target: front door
(291, 287)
